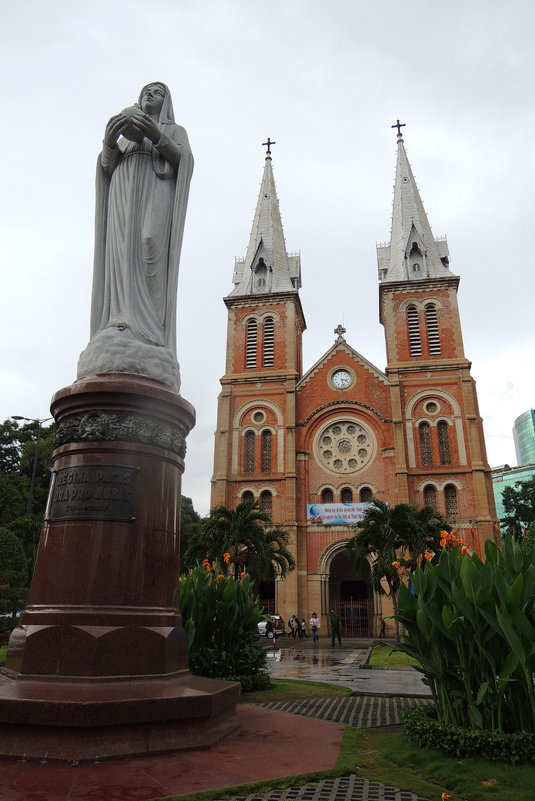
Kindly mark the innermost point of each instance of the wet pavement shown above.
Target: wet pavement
(344, 665)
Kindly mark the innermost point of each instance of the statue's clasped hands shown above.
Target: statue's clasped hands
(134, 124)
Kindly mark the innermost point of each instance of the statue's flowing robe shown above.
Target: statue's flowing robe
(141, 201)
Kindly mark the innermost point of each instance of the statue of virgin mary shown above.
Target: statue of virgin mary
(142, 185)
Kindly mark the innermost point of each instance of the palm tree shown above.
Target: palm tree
(423, 535)
(247, 535)
(392, 536)
(379, 538)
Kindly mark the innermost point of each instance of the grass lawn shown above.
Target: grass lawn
(290, 690)
(384, 655)
(3, 652)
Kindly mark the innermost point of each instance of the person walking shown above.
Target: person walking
(304, 629)
(335, 628)
(314, 627)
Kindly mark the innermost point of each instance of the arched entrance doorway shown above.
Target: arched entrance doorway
(350, 594)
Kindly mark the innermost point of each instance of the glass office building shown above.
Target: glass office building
(524, 436)
(506, 476)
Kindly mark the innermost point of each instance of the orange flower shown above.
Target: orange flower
(464, 549)
(191, 571)
(242, 575)
(206, 564)
(179, 580)
(445, 535)
(445, 796)
(226, 558)
(396, 565)
(443, 541)
(428, 555)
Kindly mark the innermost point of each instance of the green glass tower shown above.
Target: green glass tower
(524, 436)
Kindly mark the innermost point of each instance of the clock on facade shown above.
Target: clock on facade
(341, 379)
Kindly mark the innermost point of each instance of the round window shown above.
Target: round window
(345, 446)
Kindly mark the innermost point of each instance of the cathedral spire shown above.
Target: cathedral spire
(267, 267)
(413, 252)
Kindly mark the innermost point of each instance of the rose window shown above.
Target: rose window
(345, 447)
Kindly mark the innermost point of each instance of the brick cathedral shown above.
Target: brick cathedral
(314, 447)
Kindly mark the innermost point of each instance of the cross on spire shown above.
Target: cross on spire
(268, 145)
(399, 125)
(340, 330)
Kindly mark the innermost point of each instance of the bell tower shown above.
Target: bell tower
(255, 450)
(440, 450)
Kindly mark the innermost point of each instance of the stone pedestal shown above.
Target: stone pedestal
(98, 664)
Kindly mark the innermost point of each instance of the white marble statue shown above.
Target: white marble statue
(142, 184)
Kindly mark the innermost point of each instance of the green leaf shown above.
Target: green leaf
(475, 716)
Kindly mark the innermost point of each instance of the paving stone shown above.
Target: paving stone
(344, 788)
(362, 712)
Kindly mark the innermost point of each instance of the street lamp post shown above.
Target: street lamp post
(39, 422)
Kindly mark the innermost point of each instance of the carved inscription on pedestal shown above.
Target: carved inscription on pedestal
(103, 492)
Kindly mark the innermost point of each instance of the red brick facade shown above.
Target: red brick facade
(412, 434)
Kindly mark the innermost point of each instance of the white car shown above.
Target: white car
(278, 627)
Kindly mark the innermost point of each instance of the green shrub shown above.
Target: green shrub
(471, 626)
(422, 727)
(221, 620)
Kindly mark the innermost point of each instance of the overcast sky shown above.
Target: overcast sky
(325, 81)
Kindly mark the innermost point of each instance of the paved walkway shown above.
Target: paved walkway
(264, 747)
(345, 665)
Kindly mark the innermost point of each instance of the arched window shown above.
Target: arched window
(249, 452)
(346, 496)
(327, 496)
(366, 495)
(269, 342)
(247, 496)
(413, 324)
(430, 496)
(433, 336)
(444, 442)
(450, 496)
(266, 502)
(252, 334)
(266, 451)
(425, 443)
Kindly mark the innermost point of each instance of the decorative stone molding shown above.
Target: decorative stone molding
(343, 403)
(105, 427)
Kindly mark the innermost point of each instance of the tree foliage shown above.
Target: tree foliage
(249, 537)
(519, 504)
(190, 529)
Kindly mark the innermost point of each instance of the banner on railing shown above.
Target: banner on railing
(336, 514)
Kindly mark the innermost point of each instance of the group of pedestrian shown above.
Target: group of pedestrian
(298, 628)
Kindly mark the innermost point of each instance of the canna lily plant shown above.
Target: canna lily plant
(471, 626)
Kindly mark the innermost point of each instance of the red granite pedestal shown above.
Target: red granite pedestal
(98, 664)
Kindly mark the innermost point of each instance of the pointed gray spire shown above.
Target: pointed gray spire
(267, 267)
(413, 253)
